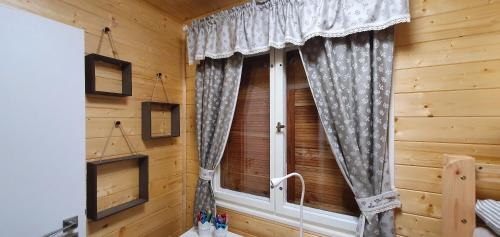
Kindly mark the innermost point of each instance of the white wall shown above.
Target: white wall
(42, 124)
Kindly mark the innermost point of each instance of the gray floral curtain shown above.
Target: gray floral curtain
(350, 78)
(217, 85)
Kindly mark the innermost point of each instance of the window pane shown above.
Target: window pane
(308, 151)
(245, 164)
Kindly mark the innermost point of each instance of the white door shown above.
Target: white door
(42, 124)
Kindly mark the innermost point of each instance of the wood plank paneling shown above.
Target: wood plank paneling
(418, 178)
(446, 83)
(472, 48)
(463, 76)
(420, 203)
(449, 103)
(161, 120)
(419, 8)
(472, 130)
(153, 42)
(188, 9)
(167, 201)
(468, 21)
(112, 193)
(430, 154)
(108, 77)
(415, 225)
(488, 181)
(253, 226)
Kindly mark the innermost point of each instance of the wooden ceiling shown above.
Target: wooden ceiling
(185, 10)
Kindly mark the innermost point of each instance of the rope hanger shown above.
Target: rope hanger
(117, 124)
(107, 31)
(159, 77)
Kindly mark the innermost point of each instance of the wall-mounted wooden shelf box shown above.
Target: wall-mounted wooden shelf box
(160, 120)
(92, 186)
(107, 76)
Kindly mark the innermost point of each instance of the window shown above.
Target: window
(308, 150)
(245, 164)
(274, 89)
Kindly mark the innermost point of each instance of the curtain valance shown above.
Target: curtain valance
(254, 28)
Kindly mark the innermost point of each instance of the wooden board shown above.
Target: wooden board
(472, 130)
(247, 225)
(487, 181)
(184, 10)
(418, 178)
(427, 8)
(462, 76)
(430, 154)
(108, 77)
(449, 103)
(459, 196)
(111, 193)
(415, 225)
(421, 203)
(469, 21)
(161, 121)
(471, 48)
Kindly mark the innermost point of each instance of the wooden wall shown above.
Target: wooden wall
(153, 42)
(447, 82)
(447, 88)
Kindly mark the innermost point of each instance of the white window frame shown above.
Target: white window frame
(276, 207)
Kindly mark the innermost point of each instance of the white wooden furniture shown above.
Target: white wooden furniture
(193, 233)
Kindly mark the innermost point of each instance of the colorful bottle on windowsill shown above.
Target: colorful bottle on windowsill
(207, 223)
(220, 222)
(204, 225)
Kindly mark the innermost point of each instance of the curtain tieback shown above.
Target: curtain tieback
(207, 175)
(370, 206)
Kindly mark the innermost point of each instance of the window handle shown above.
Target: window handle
(279, 126)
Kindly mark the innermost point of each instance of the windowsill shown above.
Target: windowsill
(290, 221)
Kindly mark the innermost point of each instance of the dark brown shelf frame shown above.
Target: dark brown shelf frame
(126, 68)
(92, 213)
(175, 125)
